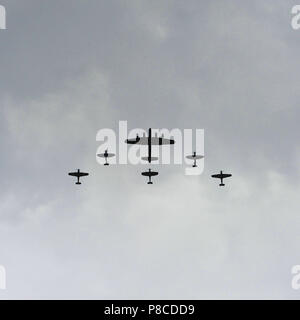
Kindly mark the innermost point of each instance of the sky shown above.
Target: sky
(71, 68)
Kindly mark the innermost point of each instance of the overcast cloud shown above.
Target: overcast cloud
(70, 68)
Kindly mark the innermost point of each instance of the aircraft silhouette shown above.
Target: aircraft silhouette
(106, 155)
(78, 174)
(221, 176)
(150, 141)
(194, 157)
(149, 174)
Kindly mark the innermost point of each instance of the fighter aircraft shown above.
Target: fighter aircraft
(149, 174)
(221, 176)
(78, 174)
(194, 157)
(150, 141)
(106, 155)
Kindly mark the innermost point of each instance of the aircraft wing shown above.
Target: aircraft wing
(158, 141)
(107, 155)
(194, 157)
(218, 176)
(82, 174)
(133, 141)
(155, 141)
(221, 176)
(74, 174)
(149, 174)
(78, 174)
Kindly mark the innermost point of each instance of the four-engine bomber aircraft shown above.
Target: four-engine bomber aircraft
(150, 141)
(149, 174)
(78, 174)
(221, 176)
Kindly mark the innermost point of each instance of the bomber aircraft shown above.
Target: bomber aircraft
(150, 141)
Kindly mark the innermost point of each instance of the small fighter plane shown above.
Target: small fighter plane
(194, 157)
(78, 174)
(150, 141)
(106, 155)
(149, 174)
(221, 176)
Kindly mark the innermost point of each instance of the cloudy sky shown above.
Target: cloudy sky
(70, 68)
